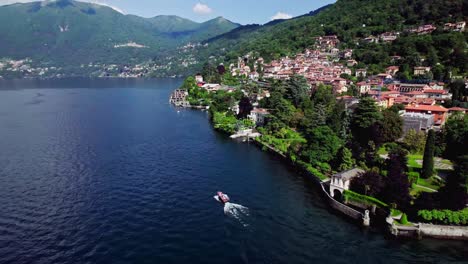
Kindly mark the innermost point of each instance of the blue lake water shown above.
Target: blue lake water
(106, 171)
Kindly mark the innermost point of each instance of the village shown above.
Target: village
(327, 65)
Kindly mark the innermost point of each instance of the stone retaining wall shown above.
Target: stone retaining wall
(342, 207)
(427, 230)
(440, 231)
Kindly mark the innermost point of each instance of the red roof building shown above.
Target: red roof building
(440, 113)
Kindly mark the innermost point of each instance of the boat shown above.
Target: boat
(222, 197)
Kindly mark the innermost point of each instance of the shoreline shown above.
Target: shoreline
(416, 231)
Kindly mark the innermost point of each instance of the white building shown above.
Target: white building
(341, 181)
(258, 115)
(198, 78)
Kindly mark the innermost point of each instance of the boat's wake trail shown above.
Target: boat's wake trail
(237, 211)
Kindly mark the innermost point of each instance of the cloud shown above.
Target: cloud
(202, 9)
(281, 15)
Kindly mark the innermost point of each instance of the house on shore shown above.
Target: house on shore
(340, 182)
(258, 115)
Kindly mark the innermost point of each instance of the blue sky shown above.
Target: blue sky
(241, 11)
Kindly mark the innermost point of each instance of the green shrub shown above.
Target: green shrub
(446, 217)
(413, 177)
(353, 196)
(404, 219)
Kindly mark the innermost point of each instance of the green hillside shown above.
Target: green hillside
(70, 33)
(354, 19)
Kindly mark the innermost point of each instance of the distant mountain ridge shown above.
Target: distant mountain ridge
(66, 32)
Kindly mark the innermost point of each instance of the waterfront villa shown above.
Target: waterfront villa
(340, 182)
(258, 115)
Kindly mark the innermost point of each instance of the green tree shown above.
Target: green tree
(245, 107)
(344, 159)
(364, 121)
(458, 90)
(297, 89)
(428, 161)
(456, 134)
(391, 126)
(370, 183)
(210, 74)
(323, 145)
(414, 141)
(396, 183)
(454, 195)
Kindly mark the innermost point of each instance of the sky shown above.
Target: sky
(240, 11)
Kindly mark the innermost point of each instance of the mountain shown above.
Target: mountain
(69, 33)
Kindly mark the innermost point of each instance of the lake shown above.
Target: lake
(106, 171)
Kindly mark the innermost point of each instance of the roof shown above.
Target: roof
(458, 109)
(349, 174)
(435, 91)
(433, 108)
(415, 93)
(260, 111)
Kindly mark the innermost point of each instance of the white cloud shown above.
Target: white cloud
(202, 9)
(281, 15)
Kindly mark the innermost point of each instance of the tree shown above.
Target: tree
(364, 120)
(210, 74)
(370, 183)
(344, 159)
(458, 90)
(245, 107)
(391, 126)
(414, 141)
(456, 134)
(323, 145)
(338, 120)
(396, 183)
(297, 89)
(454, 195)
(428, 161)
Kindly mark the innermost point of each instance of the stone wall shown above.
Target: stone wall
(342, 207)
(440, 231)
(427, 230)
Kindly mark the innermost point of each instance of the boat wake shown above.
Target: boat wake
(237, 212)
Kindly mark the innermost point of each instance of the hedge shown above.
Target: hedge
(350, 195)
(446, 217)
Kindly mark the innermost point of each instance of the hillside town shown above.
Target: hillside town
(327, 65)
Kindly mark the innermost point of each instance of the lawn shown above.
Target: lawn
(429, 183)
(413, 161)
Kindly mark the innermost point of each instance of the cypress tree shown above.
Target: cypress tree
(428, 161)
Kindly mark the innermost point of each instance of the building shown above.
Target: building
(458, 27)
(351, 63)
(440, 113)
(421, 70)
(340, 182)
(392, 70)
(199, 78)
(211, 87)
(361, 73)
(178, 98)
(454, 110)
(258, 115)
(417, 121)
(410, 87)
(439, 95)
